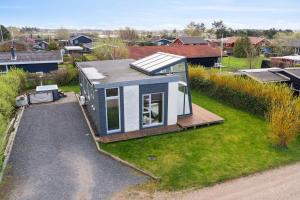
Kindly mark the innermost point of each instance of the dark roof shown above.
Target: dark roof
(89, 45)
(292, 43)
(267, 76)
(77, 36)
(192, 40)
(188, 51)
(295, 71)
(31, 57)
(113, 71)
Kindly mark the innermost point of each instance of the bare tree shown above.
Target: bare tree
(128, 34)
(63, 34)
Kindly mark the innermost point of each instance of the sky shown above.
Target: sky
(150, 14)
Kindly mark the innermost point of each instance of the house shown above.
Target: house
(295, 44)
(135, 98)
(229, 42)
(190, 40)
(41, 45)
(289, 76)
(204, 55)
(30, 61)
(285, 61)
(79, 40)
(88, 47)
(161, 42)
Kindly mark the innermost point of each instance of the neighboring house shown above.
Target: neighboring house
(30, 61)
(41, 45)
(79, 40)
(190, 40)
(88, 47)
(285, 61)
(125, 95)
(256, 41)
(73, 50)
(161, 42)
(290, 76)
(295, 44)
(204, 55)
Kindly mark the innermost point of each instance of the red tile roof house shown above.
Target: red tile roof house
(229, 42)
(204, 55)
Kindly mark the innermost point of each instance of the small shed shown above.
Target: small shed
(73, 50)
(43, 94)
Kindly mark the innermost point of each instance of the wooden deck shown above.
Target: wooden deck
(200, 117)
(138, 134)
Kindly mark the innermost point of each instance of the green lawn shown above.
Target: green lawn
(232, 63)
(70, 88)
(208, 155)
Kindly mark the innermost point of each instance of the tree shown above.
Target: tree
(62, 34)
(195, 29)
(4, 33)
(280, 44)
(53, 46)
(219, 29)
(128, 34)
(111, 49)
(239, 48)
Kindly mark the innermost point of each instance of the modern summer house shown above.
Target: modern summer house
(30, 61)
(79, 40)
(127, 99)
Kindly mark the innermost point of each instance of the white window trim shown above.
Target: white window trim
(150, 99)
(112, 98)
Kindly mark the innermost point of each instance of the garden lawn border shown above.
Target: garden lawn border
(12, 132)
(109, 154)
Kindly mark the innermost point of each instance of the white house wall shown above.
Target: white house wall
(131, 108)
(172, 103)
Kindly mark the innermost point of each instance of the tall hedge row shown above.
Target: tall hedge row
(11, 85)
(276, 102)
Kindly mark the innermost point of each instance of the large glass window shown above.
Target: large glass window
(112, 99)
(178, 69)
(152, 109)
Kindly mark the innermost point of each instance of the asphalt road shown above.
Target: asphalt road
(54, 157)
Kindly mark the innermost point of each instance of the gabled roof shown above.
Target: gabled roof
(77, 36)
(192, 40)
(188, 51)
(31, 57)
(253, 40)
(156, 62)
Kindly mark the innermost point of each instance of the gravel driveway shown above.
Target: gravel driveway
(54, 157)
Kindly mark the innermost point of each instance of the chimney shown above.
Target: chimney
(13, 53)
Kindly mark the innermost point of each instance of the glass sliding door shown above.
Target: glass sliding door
(152, 109)
(112, 99)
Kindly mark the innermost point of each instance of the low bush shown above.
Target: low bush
(10, 85)
(66, 76)
(274, 101)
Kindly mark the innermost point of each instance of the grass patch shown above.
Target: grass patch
(231, 63)
(208, 155)
(70, 88)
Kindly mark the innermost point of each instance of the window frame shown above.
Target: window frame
(149, 111)
(119, 104)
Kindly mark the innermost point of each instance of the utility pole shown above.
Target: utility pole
(221, 53)
(1, 33)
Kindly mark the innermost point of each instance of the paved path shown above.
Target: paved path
(55, 158)
(277, 184)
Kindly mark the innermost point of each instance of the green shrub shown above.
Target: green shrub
(66, 76)
(274, 101)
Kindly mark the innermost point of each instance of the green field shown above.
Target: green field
(231, 63)
(208, 155)
(70, 88)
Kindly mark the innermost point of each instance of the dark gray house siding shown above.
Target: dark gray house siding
(32, 68)
(154, 88)
(80, 40)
